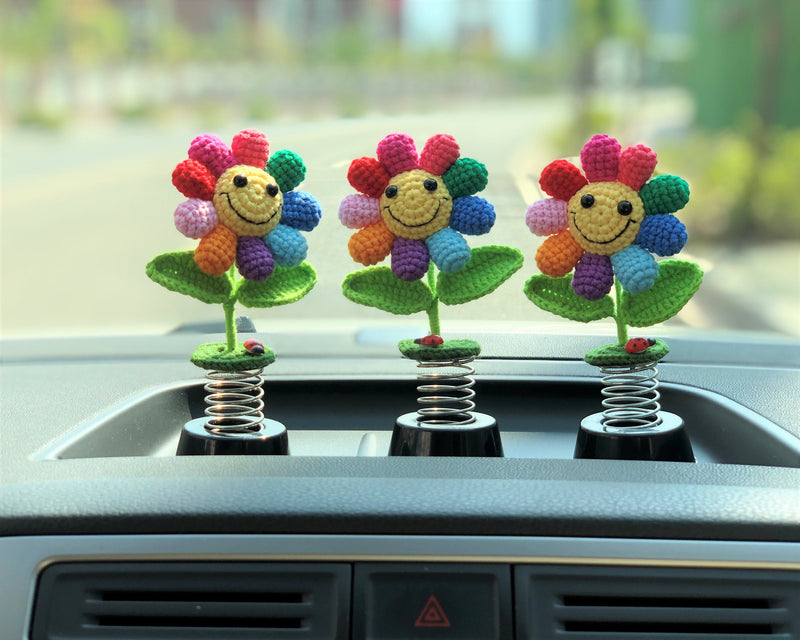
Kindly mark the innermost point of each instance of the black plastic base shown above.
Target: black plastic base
(667, 442)
(480, 438)
(270, 440)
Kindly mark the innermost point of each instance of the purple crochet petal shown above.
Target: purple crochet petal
(253, 259)
(593, 276)
(410, 258)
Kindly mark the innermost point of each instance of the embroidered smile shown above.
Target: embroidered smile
(230, 204)
(575, 222)
(421, 224)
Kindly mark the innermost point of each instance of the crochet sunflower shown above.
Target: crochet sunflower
(415, 207)
(603, 225)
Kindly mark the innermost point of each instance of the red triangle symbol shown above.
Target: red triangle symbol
(432, 615)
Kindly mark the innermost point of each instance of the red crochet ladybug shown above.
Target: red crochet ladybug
(638, 345)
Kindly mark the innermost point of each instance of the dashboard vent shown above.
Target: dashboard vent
(176, 601)
(588, 603)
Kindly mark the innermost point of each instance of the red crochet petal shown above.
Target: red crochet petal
(636, 165)
(397, 153)
(368, 176)
(561, 179)
(439, 153)
(600, 159)
(212, 152)
(251, 147)
(193, 180)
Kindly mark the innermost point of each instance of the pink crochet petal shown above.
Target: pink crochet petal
(636, 165)
(251, 147)
(561, 179)
(397, 153)
(439, 153)
(546, 217)
(600, 159)
(196, 218)
(212, 153)
(357, 211)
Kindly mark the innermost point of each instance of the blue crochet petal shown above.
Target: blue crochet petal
(663, 234)
(287, 246)
(635, 268)
(449, 251)
(472, 215)
(300, 210)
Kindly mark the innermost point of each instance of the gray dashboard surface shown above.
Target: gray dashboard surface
(50, 387)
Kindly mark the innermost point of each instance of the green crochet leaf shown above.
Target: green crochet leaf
(284, 286)
(465, 177)
(557, 296)
(487, 269)
(287, 168)
(378, 287)
(675, 285)
(177, 271)
(215, 355)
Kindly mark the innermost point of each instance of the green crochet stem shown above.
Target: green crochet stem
(230, 319)
(433, 309)
(622, 328)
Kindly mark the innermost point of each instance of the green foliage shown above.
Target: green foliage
(284, 286)
(677, 282)
(487, 269)
(557, 296)
(378, 287)
(177, 271)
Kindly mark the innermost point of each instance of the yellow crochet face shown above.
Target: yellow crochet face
(604, 217)
(416, 204)
(248, 201)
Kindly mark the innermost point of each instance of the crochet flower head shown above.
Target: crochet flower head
(415, 206)
(607, 220)
(242, 205)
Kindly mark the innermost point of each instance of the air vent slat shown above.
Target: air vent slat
(192, 600)
(641, 603)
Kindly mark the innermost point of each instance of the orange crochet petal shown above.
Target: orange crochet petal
(372, 244)
(217, 251)
(558, 255)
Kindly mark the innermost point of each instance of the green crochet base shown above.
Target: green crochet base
(614, 355)
(214, 356)
(448, 350)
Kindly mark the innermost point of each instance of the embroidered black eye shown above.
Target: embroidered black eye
(240, 180)
(625, 208)
(272, 189)
(430, 184)
(391, 191)
(587, 200)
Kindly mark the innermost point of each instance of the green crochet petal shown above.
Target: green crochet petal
(675, 285)
(378, 287)
(557, 296)
(487, 269)
(177, 271)
(287, 168)
(284, 286)
(465, 177)
(215, 356)
(614, 355)
(664, 194)
(448, 350)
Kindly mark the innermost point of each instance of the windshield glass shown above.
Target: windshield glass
(101, 99)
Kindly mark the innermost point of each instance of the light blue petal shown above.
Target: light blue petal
(287, 246)
(635, 268)
(472, 215)
(449, 251)
(300, 210)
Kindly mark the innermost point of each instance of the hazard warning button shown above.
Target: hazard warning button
(399, 601)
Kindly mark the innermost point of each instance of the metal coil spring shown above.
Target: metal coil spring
(235, 401)
(631, 396)
(446, 395)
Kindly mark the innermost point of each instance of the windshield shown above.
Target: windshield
(101, 99)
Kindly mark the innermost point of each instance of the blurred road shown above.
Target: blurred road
(84, 210)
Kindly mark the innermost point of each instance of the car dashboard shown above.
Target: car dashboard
(106, 533)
